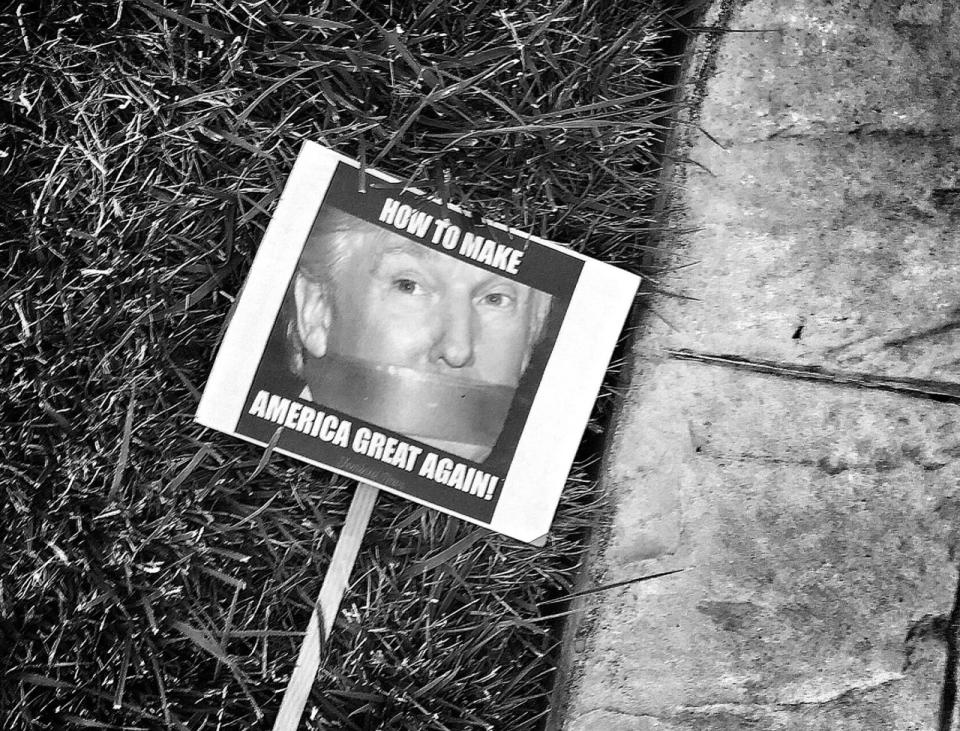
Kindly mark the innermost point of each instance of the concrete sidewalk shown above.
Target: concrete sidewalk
(816, 521)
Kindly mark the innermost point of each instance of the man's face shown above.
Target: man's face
(403, 304)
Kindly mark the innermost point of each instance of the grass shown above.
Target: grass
(151, 576)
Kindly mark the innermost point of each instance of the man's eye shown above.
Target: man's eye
(407, 286)
(497, 299)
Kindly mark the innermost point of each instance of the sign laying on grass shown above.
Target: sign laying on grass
(409, 345)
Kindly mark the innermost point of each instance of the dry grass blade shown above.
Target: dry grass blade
(614, 585)
(202, 27)
(267, 453)
(445, 555)
(124, 445)
(211, 646)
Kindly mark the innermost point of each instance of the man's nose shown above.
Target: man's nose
(454, 342)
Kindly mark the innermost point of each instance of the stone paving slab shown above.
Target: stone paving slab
(815, 526)
(816, 523)
(814, 67)
(826, 199)
(839, 252)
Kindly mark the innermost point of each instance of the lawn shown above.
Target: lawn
(154, 574)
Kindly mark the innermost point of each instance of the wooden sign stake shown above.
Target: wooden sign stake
(328, 602)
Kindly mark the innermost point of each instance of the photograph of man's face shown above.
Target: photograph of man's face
(409, 338)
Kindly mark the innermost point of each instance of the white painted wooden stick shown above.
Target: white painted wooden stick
(331, 593)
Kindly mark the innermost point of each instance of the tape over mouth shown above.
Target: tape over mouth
(415, 403)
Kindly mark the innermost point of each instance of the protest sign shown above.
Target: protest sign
(417, 348)
(386, 336)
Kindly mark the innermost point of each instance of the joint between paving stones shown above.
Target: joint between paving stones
(948, 692)
(935, 390)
